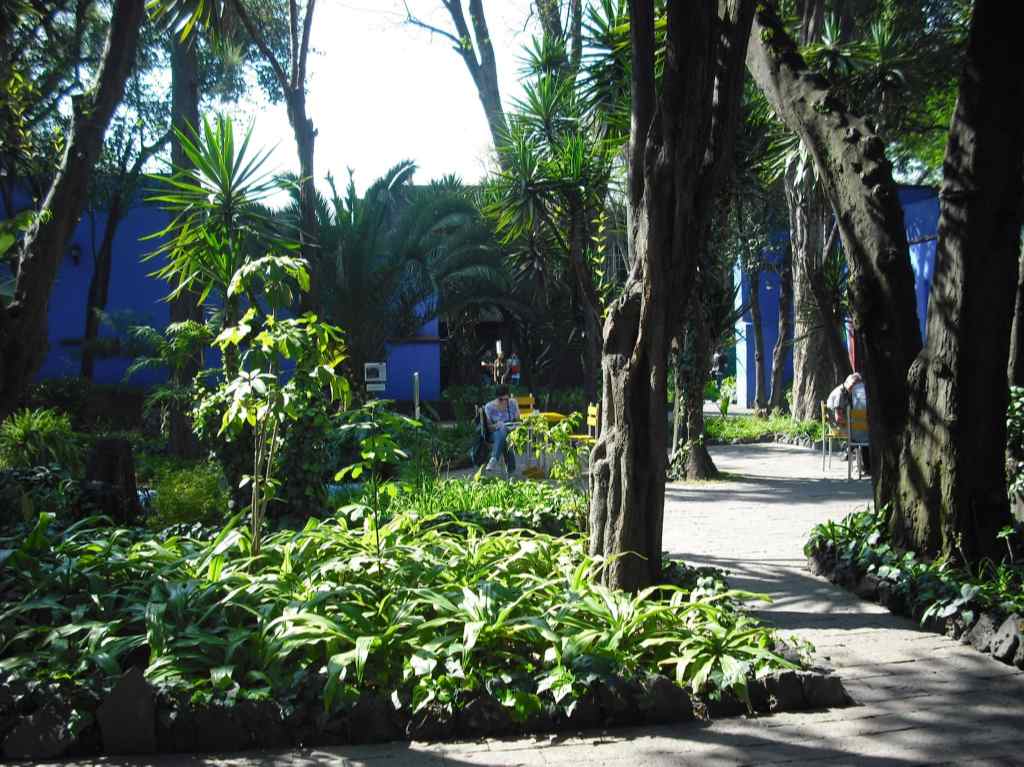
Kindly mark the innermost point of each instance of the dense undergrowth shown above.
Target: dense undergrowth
(939, 588)
(428, 611)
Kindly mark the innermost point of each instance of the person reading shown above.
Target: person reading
(501, 415)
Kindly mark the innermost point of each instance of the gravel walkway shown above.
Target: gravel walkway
(923, 699)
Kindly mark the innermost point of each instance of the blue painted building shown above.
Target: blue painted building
(136, 298)
(921, 217)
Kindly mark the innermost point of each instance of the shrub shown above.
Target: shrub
(745, 428)
(186, 496)
(39, 438)
(432, 614)
(89, 405)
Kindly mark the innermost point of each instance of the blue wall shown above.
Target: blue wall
(135, 293)
(416, 355)
(921, 216)
(770, 283)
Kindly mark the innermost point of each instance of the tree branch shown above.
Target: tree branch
(307, 26)
(260, 43)
(410, 19)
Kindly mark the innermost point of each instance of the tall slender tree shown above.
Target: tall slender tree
(681, 137)
(23, 322)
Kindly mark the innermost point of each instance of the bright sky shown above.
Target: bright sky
(381, 91)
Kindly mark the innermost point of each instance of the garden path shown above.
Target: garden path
(923, 699)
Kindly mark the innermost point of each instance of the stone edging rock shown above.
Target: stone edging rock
(1001, 636)
(136, 718)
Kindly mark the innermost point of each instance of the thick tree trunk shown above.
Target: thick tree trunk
(784, 340)
(185, 118)
(760, 400)
(99, 285)
(858, 183)
(680, 140)
(953, 480)
(23, 324)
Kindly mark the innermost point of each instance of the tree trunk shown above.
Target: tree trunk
(305, 142)
(99, 285)
(695, 377)
(817, 368)
(679, 142)
(754, 279)
(23, 324)
(784, 341)
(185, 118)
(1015, 369)
(858, 183)
(953, 480)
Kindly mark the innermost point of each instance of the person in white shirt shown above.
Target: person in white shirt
(498, 414)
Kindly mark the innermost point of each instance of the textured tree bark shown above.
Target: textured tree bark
(816, 368)
(699, 464)
(858, 184)
(953, 479)
(185, 118)
(23, 324)
(1015, 369)
(679, 141)
(778, 395)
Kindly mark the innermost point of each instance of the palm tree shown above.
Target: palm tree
(400, 256)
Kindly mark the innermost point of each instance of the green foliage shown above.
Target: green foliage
(726, 392)
(748, 428)
(217, 222)
(91, 406)
(272, 404)
(39, 437)
(435, 612)
(553, 442)
(189, 495)
(401, 255)
(24, 493)
(1015, 441)
(940, 588)
(495, 504)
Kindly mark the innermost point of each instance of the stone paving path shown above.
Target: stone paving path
(922, 698)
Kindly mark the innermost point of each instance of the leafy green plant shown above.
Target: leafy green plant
(38, 438)
(939, 588)
(725, 394)
(189, 495)
(743, 428)
(263, 398)
(428, 611)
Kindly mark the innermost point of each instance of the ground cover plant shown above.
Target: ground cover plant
(427, 613)
(494, 504)
(748, 428)
(933, 591)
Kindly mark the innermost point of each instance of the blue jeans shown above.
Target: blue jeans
(499, 438)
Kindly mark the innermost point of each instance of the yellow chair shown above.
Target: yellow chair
(856, 423)
(593, 424)
(526, 403)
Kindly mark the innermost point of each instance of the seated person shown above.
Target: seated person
(837, 402)
(499, 413)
